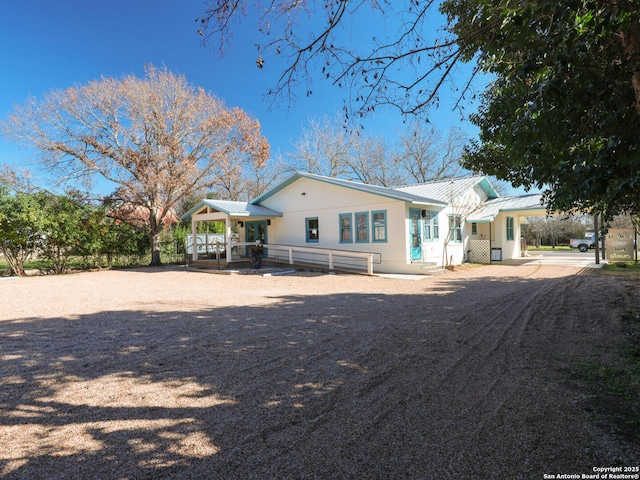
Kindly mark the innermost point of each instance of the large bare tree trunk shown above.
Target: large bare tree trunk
(154, 236)
(155, 250)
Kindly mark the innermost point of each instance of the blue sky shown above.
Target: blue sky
(47, 44)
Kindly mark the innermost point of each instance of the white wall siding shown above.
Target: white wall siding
(289, 205)
(310, 199)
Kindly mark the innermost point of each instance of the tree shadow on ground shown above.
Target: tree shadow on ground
(349, 385)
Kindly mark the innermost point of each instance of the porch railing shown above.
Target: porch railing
(292, 254)
(344, 259)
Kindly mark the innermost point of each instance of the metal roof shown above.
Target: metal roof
(438, 193)
(491, 208)
(393, 193)
(447, 191)
(234, 209)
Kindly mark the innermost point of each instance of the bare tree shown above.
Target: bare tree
(323, 148)
(462, 204)
(158, 139)
(259, 179)
(625, 220)
(370, 162)
(238, 181)
(553, 230)
(230, 184)
(424, 155)
(333, 148)
(406, 68)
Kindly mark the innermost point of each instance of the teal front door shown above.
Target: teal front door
(414, 234)
(256, 231)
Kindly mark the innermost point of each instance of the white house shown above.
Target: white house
(315, 219)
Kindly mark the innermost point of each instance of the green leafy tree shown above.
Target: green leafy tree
(21, 219)
(93, 229)
(101, 236)
(119, 239)
(62, 228)
(563, 112)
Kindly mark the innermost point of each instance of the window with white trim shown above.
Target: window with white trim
(455, 229)
(430, 229)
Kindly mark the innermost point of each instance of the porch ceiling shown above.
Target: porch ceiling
(231, 208)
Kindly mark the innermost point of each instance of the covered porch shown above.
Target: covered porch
(245, 225)
(494, 230)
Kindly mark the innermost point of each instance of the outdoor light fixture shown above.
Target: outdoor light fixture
(303, 193)
(241, 224)
(268, 222)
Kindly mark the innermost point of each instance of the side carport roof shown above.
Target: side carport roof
(233, 209)
(490, 209)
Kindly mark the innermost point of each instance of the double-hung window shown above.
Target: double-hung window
(455, 228)
(346, 236)
(510, 225)
(313, 234)
(430, 222)
(362, 227)
(379, 225)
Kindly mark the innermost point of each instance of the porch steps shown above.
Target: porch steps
(432, 269)
(210, 264)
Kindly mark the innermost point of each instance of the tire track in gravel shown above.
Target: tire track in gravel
(452, 377)
(491, 380)
(484, 332)
(515, 351)
(494, 349)
(507, 323)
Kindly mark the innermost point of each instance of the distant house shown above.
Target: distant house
(398, 230)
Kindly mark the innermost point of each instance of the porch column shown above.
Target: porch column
(490, 243)
(228, 237)
(194, 239)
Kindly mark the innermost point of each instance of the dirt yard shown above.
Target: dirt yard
(167, 373)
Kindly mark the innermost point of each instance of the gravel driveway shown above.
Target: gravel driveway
(167, 373)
